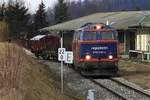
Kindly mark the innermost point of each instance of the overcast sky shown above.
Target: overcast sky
(33, 4)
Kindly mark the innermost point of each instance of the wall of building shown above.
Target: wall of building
(143, 40)
(126, 41)
(121, 42)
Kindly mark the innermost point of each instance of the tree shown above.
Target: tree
(3, 30)
(17, 17)
(2, 11)
(60, 11)
(50, 14)
(40, 18)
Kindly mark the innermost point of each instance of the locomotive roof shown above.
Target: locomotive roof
(120, 20)
(92, 26)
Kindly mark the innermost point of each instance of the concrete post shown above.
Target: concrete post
(91, 94)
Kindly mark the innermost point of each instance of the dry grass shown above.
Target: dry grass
(136, 73)
(22, 78)
(11, 62)
(41, 84)
(11, 65)
(10, 94)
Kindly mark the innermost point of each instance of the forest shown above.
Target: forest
(19, 19)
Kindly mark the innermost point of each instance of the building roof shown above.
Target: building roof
(120, 20)
(38, 37)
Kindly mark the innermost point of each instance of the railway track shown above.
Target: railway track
(121, 89)
(129, 86)
(108, 89)
(118, 88)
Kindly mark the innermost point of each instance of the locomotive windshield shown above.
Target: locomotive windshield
(99, 35)
(107, 35)
(89, 36)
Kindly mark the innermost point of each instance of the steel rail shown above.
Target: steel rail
(130, 87)
(110, 90)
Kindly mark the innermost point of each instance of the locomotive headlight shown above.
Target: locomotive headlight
(110, 57)
(98, 27)
(88, 57)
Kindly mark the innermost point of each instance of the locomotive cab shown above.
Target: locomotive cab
(95, 48)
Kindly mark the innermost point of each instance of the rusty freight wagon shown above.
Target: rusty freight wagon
(45, 46)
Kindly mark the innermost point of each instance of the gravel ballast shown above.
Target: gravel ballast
(80, 85)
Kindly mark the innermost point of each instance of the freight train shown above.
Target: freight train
(94, 46)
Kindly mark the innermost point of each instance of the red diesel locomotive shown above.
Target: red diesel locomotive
(95, 49)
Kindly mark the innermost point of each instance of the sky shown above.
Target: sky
(33, 4)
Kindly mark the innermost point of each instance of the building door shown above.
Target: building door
(132, 40)
(129, 41)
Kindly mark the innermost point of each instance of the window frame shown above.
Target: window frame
(114, 34)
(82, 38)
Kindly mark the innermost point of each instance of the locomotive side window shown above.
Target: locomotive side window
(107, 35)
(89, 36)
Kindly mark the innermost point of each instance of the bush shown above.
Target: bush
(3, 31)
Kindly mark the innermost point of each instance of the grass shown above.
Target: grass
(45, 85)
(23, 78)
(11, 66)
(136, 73)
